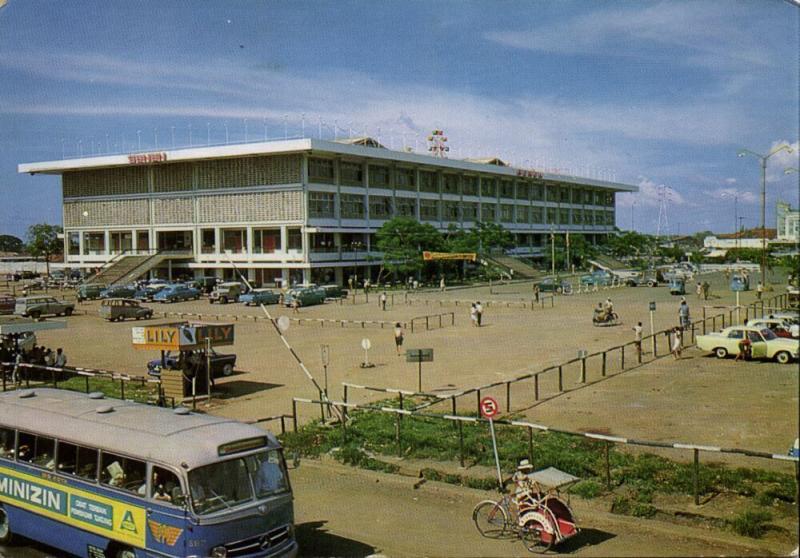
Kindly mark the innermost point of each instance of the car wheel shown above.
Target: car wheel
(5, 527)
(223, 300)
(559, 290)
(721, 352)
(227, 370)
(783, 357)
(35, 314)
(68, 312)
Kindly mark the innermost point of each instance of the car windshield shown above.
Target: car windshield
(768, 334)
(237, 481)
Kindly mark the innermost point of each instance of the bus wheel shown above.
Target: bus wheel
(5, 528)
(125, 553)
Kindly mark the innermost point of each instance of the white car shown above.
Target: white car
(781, 327)
(764, 343)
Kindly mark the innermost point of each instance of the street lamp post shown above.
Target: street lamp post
(763, 161)
(735, 197)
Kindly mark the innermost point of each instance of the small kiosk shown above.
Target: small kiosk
(193, 371)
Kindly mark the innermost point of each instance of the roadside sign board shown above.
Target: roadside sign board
(489, 407)
(419, 355)
(366, 344)
(181, 337)
(653, 306)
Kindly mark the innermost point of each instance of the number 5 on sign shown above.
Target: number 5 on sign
(489, 410)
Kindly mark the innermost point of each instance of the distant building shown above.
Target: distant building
(788, 224)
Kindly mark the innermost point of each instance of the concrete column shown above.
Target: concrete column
(285, 277)
(338, 275)
(305, 243)
(306, 276)
(107, 242)
(249, 242)
(284, 239)
(217, 241)
(80, 243)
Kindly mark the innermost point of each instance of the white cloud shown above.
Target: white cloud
(731, 194)
(730, 180)
(650, 195)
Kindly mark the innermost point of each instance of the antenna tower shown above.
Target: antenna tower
(663, 218)
(437, 144)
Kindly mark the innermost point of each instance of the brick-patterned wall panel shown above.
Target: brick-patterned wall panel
(172, 178)
(256, 207)
(106, 213)
(249, 171)
(172, 210)
(105, 182)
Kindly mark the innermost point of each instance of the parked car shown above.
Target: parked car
(598, 278)
(89, 292)
(677, 286)
(779, 327)
(641, 281)
(550, 285)
(221, 365)
(764, 343)
(206, 284)
(120, 309)
(37, 306)
(260, 296)
(334, 291)
(226, 292)
(146, 293)
(305, 296)
(118, 291)
(176, 293)
(7, 304)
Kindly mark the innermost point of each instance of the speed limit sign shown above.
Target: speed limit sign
(489, 407)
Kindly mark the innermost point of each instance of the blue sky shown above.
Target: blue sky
(649, 93)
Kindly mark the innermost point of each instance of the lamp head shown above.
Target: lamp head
(741, 154)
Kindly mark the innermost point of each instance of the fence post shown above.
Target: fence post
(536, 387)
(622, 357)
(87, 383)
(427, 325)
(478, 393)
(704, 320)
(440, 321)
(560, 379)
(321, 408)
(530, 445)
(397, 435)
(583, 370)
(401, 401)
(453, 401)
(723, 320)
(460, 443)
(122, 388)
(608, 466)
(696, 477)
(283, 422)
(294, 415)
(604, 364)
(508, 397)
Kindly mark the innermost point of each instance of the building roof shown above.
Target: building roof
(344, 148)
(751, 233)
(153, 433)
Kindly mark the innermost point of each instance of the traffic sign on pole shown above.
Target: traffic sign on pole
(489, 410)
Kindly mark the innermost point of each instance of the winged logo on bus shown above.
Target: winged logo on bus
(164, 534)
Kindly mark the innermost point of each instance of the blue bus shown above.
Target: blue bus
(102, 478)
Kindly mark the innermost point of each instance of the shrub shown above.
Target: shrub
(587, 489)
(621, 505)
(751, 523)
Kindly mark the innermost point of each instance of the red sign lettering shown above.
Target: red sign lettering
(146, 158)
(526, 173)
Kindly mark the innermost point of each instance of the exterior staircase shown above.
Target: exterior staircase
(127, 268)
(607, 263)
(521, 269)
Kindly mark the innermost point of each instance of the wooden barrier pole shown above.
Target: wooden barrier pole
(397, 435)
(583, 370)
(508, 397)
(604, 364)
(478, 393)
(453, 401)
(608, 466)
(560, 379)
(696, 477)
(460, 443)
(622, 357)
(536, 387)
(530, 445)
(294, 415)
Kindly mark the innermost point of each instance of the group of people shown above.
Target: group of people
(604, 311)
(41, 356)
(476, 314)
(703, 289)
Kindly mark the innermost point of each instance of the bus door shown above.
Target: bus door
(166, 514)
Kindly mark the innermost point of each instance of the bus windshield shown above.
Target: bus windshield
(237, 481)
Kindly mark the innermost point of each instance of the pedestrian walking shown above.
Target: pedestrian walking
(473, 315)
(366, 286)
(677, 343)
(441, 284)
(415, 284)
(637, 335)
(683, 314)
(706, 289)
(744, 349)
(536, 292)
(16, 378)
(295, 305)
(61, 358)
(382, 301)
(350, 283)
(479, 312)
(699, 289)
(398, 337)
(759, 290)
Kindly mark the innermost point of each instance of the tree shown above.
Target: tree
(43, 241)
(579, 252)
(10, 243)
(402, 241)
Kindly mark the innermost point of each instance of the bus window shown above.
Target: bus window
(6, 443)
(123, 472)
(268, 473)
(39, 450)
(166, 487)
(67, 457)
(86, 467)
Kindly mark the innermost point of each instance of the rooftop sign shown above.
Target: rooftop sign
(528, 173)
(146, 158)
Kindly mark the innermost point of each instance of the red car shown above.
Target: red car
(7, 304)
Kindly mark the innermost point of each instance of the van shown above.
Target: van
(120, 309)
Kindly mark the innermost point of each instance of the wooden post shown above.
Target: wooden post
(86, 378)
(294, 415)
(536, 387)
(704, 320)
(608, 466)
(460, 443)
(401, 401)
(530, 445)
(583, 370)
(560, 379)
(397, 435)
(122, 388)
(622, 357)
(604, 364)
(453, 401)
(508, 397)
(478, 393)
(696, 477)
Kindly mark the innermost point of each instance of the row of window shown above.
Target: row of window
(90, 464)
(352, 174)
(322, 205)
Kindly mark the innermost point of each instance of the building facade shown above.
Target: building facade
(303, 210)
(788, 224)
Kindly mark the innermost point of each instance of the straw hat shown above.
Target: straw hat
(524, 465)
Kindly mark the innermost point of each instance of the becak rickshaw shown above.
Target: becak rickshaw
(545, 518)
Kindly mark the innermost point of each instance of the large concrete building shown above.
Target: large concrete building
(300, 210)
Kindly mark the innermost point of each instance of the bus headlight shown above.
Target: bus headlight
(219, 552)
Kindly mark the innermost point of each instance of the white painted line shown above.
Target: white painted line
(464, 419)
(692, 447)
(607, 438)
(784, 457)
(529, 425)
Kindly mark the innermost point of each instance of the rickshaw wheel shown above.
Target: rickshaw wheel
(490, 519)
(531, 535)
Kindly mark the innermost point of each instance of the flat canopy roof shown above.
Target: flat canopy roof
(307, 145)
(10, 324)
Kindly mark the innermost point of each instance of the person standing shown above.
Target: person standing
(473, 315)
(441, 284)
(637, 335)
(295, 305)
(398, 337)
(536, 292)
(49, 358)
(706, 287)
(479, 312)
(415, 284)
(744, 349)
(683, 314)
(61, 358)
(350, 283)
(759, 290)
(382, 301)
(677, 343)
(699, 289)
(366, 286)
